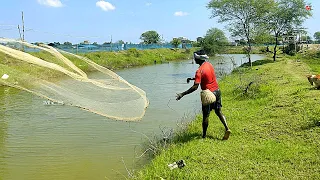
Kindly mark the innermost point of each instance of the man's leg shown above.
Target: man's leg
(205, 124)
(205, 120)
(224, 122)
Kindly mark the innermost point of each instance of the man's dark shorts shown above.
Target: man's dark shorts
(216, 105)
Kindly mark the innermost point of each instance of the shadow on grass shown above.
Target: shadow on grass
(311, 125)
(186, 137)
(257, 63)
(313, 89)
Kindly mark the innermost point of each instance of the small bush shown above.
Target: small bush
(291, 49)
(133, 52)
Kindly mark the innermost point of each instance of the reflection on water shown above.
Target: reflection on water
(3, 127)
(38, 141)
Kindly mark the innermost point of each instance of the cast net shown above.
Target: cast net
(58, 76)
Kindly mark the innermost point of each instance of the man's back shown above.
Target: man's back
(206, 77)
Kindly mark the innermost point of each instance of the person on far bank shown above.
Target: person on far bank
(205, 76)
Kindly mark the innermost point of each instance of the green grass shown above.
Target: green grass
(134, 57)
(312, 58)
(240, 50)
(275, 129)
(25, 73)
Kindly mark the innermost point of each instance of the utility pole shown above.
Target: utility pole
(111, 43)
(19, 33)
(22, 27)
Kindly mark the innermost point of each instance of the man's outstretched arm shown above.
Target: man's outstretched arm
(190, 90)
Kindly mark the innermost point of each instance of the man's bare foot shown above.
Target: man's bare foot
(203, 136)
(226, 135)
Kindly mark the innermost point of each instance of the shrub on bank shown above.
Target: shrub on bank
(275, 130)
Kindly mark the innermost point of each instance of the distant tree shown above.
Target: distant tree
(241, 15)
(175, 42)
(284, 16)
(196, 44)
(120, 42)
(95, 43)
(67, 43)
(264, 38)
(51, 44)
(214, 41)
(150, 37)
(317, 36)
(199, 39)
(242, 42)
(307, 39)
(54, 44)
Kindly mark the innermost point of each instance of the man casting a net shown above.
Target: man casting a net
(205, 76)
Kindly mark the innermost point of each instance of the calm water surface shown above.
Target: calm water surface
(60, 142)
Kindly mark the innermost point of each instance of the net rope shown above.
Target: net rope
(102, 92)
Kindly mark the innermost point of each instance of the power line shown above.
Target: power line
(27, 29)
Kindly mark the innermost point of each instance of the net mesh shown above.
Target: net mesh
(56, 75)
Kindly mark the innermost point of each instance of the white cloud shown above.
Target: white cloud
(180, 13)
(52, 3)
(148, 4)
(106, 6)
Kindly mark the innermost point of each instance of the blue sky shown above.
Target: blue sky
(98, 20)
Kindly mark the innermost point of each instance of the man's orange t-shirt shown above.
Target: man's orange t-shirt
(206, 77)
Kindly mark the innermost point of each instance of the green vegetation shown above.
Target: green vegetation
(242, 50)
(21, 70)
(243, 16)
(176, 42)
(112, 60)
(214, 41)
(256, 20)
(317, 37)
(134, 57)
(275, 128)
(150, 37)
(284, 16)
(312, 58)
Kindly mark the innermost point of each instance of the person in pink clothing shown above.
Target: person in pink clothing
(205, 76)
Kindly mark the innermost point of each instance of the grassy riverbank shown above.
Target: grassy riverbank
(240, 50)
(275, 128)
(111, 60)
(133, 57)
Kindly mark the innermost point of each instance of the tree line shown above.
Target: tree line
(254, 18)
(252, 21)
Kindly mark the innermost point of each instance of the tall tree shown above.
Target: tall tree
(67, 43)
(284, 16)
(214, 41)
(317, 36)
(264, 38)
(176, 42)
(150, 37)
(241, 15)
(307, 39)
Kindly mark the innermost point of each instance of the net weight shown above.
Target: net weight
(53, 103)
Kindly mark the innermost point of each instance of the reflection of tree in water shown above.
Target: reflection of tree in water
(2, 113)
(3, 125)
(221, 67)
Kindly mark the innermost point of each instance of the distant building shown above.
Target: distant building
(86, 42)
(234, 44)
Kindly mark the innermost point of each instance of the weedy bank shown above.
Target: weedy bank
(274, 115)
(111, 60)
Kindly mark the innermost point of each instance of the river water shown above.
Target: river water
(60, 142)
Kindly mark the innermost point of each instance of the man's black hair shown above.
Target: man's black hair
(200, 52)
